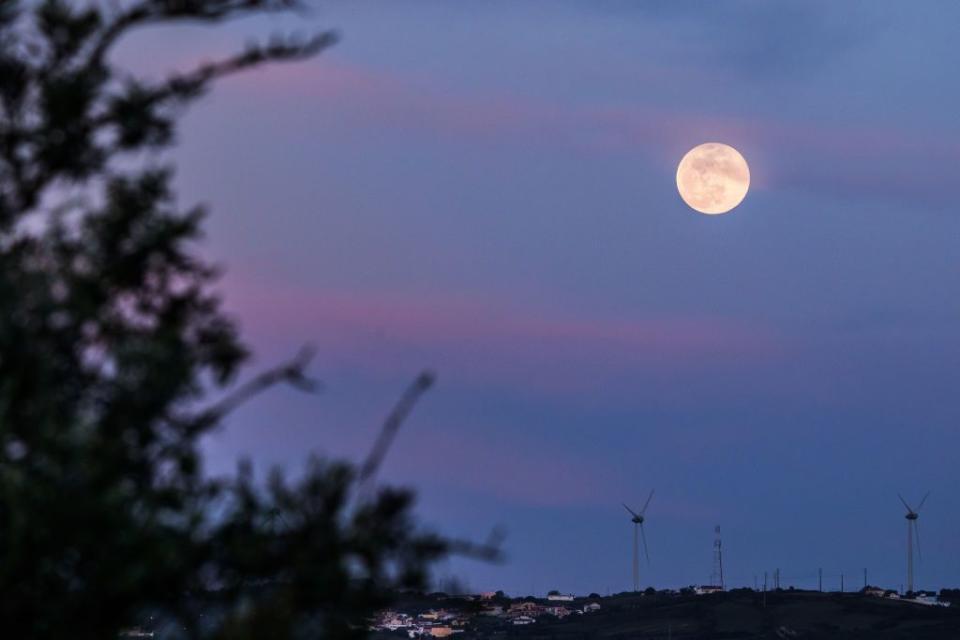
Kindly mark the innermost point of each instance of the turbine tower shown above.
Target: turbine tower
(638, 533)
(913, 529)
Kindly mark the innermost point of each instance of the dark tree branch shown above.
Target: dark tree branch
(27, 188)
(150, 12)
(292, 373)
(390, 427)
(108, 339)
(488, 551)
(189, 84)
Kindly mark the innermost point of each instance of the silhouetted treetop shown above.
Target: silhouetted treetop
(116, 358)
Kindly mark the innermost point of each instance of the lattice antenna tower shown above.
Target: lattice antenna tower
(716, 578)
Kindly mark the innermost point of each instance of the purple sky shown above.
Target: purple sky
(487, 189)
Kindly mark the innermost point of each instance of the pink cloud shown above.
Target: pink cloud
(324, 79)
(492, 342)
(518, 470)
(524, 470)
(869, 160)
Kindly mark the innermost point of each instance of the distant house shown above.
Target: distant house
(392, 621)
(929, 600)
(558, 611)
(526, 609)
(590, 607)
(560, 597)
(436, 614)
(442, 631)
(708, 588)
(876, 592)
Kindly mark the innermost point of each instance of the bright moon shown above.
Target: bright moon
(713, 178)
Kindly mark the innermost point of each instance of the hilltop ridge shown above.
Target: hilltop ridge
(741, 614)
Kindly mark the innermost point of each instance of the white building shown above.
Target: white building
(928, 600)
(708, 588)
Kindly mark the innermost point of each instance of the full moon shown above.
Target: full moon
(713, 178)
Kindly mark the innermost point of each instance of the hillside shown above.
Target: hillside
(734, 615)
(742, 615)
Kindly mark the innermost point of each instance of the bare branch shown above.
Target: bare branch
(390, 427)
(291, 373)
(148, 13)
(186, 85)
(139, 14)
(488, 551)
(277, 51)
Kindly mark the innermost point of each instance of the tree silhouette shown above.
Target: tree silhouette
(115, 358)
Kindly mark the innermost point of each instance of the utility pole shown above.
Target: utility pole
(820, 580)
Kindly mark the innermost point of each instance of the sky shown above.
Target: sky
(487, 190)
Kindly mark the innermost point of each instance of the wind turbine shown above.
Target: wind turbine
(637, 519)
(913, 528)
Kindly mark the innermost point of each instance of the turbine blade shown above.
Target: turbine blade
(645, 551)
(920, 506)
(905, 503)
(630, 510)
(916, 534)
(647, 503)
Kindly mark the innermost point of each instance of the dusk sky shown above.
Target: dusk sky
(487, 190)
